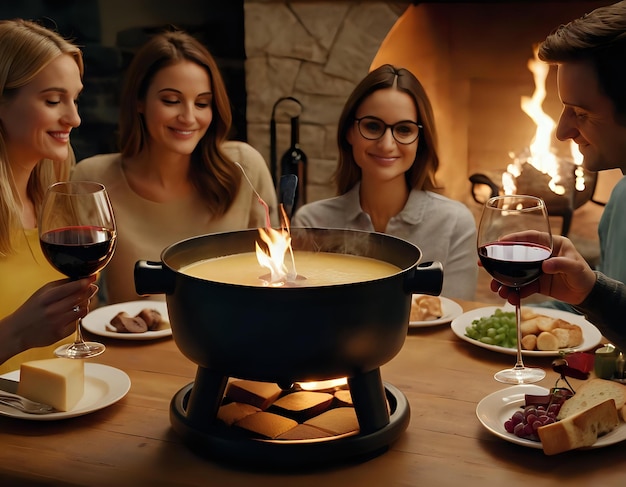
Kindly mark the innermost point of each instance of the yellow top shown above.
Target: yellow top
(21, 274)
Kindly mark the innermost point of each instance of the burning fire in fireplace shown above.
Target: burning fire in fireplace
(540, 153)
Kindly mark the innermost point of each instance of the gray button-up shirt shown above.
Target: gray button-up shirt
(443, 229)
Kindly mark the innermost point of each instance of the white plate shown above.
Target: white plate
(493, 410)
(104, 385)
(591, 335)
(96, 321)
(450, 311)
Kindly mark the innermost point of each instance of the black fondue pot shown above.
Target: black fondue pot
(288, 334)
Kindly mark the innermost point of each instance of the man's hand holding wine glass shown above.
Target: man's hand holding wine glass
(566, 274)
(514, 240)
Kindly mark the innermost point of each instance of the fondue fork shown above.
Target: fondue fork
(26, 405)
(268, 222)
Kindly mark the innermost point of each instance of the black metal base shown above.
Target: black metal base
(224, 444)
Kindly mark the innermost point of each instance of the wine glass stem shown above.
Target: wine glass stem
(518, 325)
(78, 339)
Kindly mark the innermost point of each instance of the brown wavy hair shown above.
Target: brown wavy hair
(421, 175)
(216, 178)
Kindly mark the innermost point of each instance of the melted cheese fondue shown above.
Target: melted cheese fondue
(319, 269)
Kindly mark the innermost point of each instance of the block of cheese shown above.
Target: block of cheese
(579, 430)
(337, 421)
(344, 397)
(258, 394)
(302, 405)
(59, 382)
(234, 411)
(266, 424)
(304, 432)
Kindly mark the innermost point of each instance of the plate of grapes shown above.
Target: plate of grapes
(496, 412)
(494, 328)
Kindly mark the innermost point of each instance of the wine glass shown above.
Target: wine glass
(514, 239)
(77, 235)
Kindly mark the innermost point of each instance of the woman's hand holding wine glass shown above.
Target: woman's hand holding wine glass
(77, 234)
(514, 239)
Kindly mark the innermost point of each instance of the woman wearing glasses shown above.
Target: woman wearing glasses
(385, 178)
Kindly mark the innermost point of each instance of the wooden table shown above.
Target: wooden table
(443, 378)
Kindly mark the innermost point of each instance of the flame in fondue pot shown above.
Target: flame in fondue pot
(278, 244)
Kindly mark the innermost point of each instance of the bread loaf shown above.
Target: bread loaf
(591, 393)
(425, 308)
(547, 333)
(579, 430)
(547, 341)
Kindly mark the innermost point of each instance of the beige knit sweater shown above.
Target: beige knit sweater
(146, 228)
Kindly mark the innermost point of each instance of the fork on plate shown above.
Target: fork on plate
(24, 405)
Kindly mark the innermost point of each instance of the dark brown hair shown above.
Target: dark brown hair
(421, 175)
(599, 38)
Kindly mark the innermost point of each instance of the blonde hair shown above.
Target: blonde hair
(25, 49)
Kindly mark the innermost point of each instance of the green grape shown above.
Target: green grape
(498, 329)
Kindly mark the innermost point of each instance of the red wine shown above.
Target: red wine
(513, 264)
(78, 251)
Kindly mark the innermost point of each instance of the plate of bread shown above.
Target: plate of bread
(134, 320)
(432, 310)
(593, 418)
(545, 331)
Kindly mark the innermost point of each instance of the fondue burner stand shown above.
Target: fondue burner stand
(260, 333)
(382, 410)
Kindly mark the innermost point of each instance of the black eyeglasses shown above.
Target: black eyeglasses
(373, 128)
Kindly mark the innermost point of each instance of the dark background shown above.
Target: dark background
(219, 26)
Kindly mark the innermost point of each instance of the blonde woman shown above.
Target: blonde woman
(40, 80)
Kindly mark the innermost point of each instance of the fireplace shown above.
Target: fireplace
(471, 57)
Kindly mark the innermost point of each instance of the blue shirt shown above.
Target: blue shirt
(612, 234)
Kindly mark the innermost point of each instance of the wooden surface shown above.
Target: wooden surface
(443, 378)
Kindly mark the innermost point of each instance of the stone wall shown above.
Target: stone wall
(316, 52)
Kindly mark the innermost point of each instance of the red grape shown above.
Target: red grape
(525, 422)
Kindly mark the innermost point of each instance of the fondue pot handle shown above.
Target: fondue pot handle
(425, 278)
(152, 278)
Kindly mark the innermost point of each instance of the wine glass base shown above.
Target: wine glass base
(80, 350)
(520, 375)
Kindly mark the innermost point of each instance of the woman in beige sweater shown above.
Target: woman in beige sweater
(177, 175)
